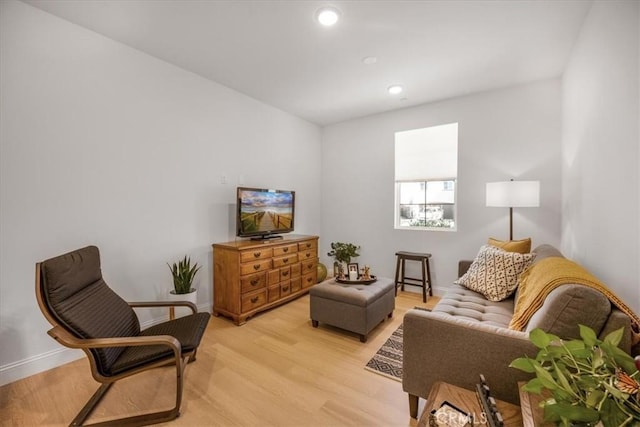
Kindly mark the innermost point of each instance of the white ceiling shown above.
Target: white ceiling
(274, 51)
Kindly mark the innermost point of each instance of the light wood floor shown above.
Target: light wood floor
(276, 370)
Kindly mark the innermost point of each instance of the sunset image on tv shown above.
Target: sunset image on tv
(265, 211)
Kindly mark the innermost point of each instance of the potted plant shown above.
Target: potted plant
(585, 382)
(342, 252)
(183, 274)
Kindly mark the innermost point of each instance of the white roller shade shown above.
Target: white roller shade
(427, 154)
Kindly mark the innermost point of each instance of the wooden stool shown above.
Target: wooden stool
(424, 282)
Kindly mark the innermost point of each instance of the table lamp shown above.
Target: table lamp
(513, 194)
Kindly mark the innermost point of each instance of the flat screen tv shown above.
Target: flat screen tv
(264, 213)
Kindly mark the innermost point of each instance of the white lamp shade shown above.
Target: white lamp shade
(513, 194)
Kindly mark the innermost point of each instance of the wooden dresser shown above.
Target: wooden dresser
(250, 276)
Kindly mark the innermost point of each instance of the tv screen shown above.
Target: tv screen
(264, 213)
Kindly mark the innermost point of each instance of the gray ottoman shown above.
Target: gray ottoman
(356, 308)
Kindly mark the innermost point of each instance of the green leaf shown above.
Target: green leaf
(551, 412)
(539, 338)
(562, 379)
(614, 337)
(572, 412)
(574, 345)
(611, 415)
(615, 392)
(524, 364)
(594, 397)
(533, 386)
(545, 378)
(598, 359)
(588, 336)
(621, 358)
(561, 395)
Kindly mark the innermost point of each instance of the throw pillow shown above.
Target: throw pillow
(494, 272)
(521, 246)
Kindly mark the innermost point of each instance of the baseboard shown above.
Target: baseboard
(39, 363)
(51, 359)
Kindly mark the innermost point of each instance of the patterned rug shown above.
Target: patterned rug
(388, 360)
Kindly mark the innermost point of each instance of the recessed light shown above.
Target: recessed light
(368, 60)
(327, 16)
(395, 89)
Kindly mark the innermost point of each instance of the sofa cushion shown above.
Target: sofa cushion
(494, 272)
(521, 246)
(463, 303)
(564, 309)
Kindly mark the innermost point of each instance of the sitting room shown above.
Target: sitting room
(371, 213)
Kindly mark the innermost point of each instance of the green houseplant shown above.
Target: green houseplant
(343, 252)
(183, 273)
(588, 381)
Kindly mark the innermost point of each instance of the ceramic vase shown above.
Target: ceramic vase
(190, 297)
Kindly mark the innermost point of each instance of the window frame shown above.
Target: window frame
(398, 206)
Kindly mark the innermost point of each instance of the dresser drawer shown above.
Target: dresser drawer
(252, 255)
(285, 288)
(309, 266)
(254, 300)
(296, 284)
(255, 266)
(309, 244)
(253, 282)
(285, 249)
(285, 260)
(273, 277)
(307, 254)
(273, 293)
(309, 279)
(285, 273)
(296, 270)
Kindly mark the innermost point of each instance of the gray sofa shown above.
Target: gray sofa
(466, 335)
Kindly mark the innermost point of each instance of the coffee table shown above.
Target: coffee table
(467, 401)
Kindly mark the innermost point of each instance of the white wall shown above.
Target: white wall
(510, 133)
(102, 144)
(600, 144)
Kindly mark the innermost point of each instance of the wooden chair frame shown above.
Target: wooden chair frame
(179, 358)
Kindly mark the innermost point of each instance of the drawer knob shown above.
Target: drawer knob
(285, 249)
(254, 300)
(256, 254)
(309, 279)
(254, 282)
(286, 260)
(308, 254)
(285, 289)
(256, 266)
(308, 245)
(285, 273)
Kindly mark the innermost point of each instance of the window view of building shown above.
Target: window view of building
(426, 163)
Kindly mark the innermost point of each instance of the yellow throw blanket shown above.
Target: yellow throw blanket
(538, 280)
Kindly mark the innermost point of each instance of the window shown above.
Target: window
(426, 169)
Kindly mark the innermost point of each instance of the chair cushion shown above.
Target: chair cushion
(79, 298)
(187, 330)
(67, 274)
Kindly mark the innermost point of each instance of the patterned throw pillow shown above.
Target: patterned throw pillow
(495, 272)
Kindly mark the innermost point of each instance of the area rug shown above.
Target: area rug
(388, 360)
